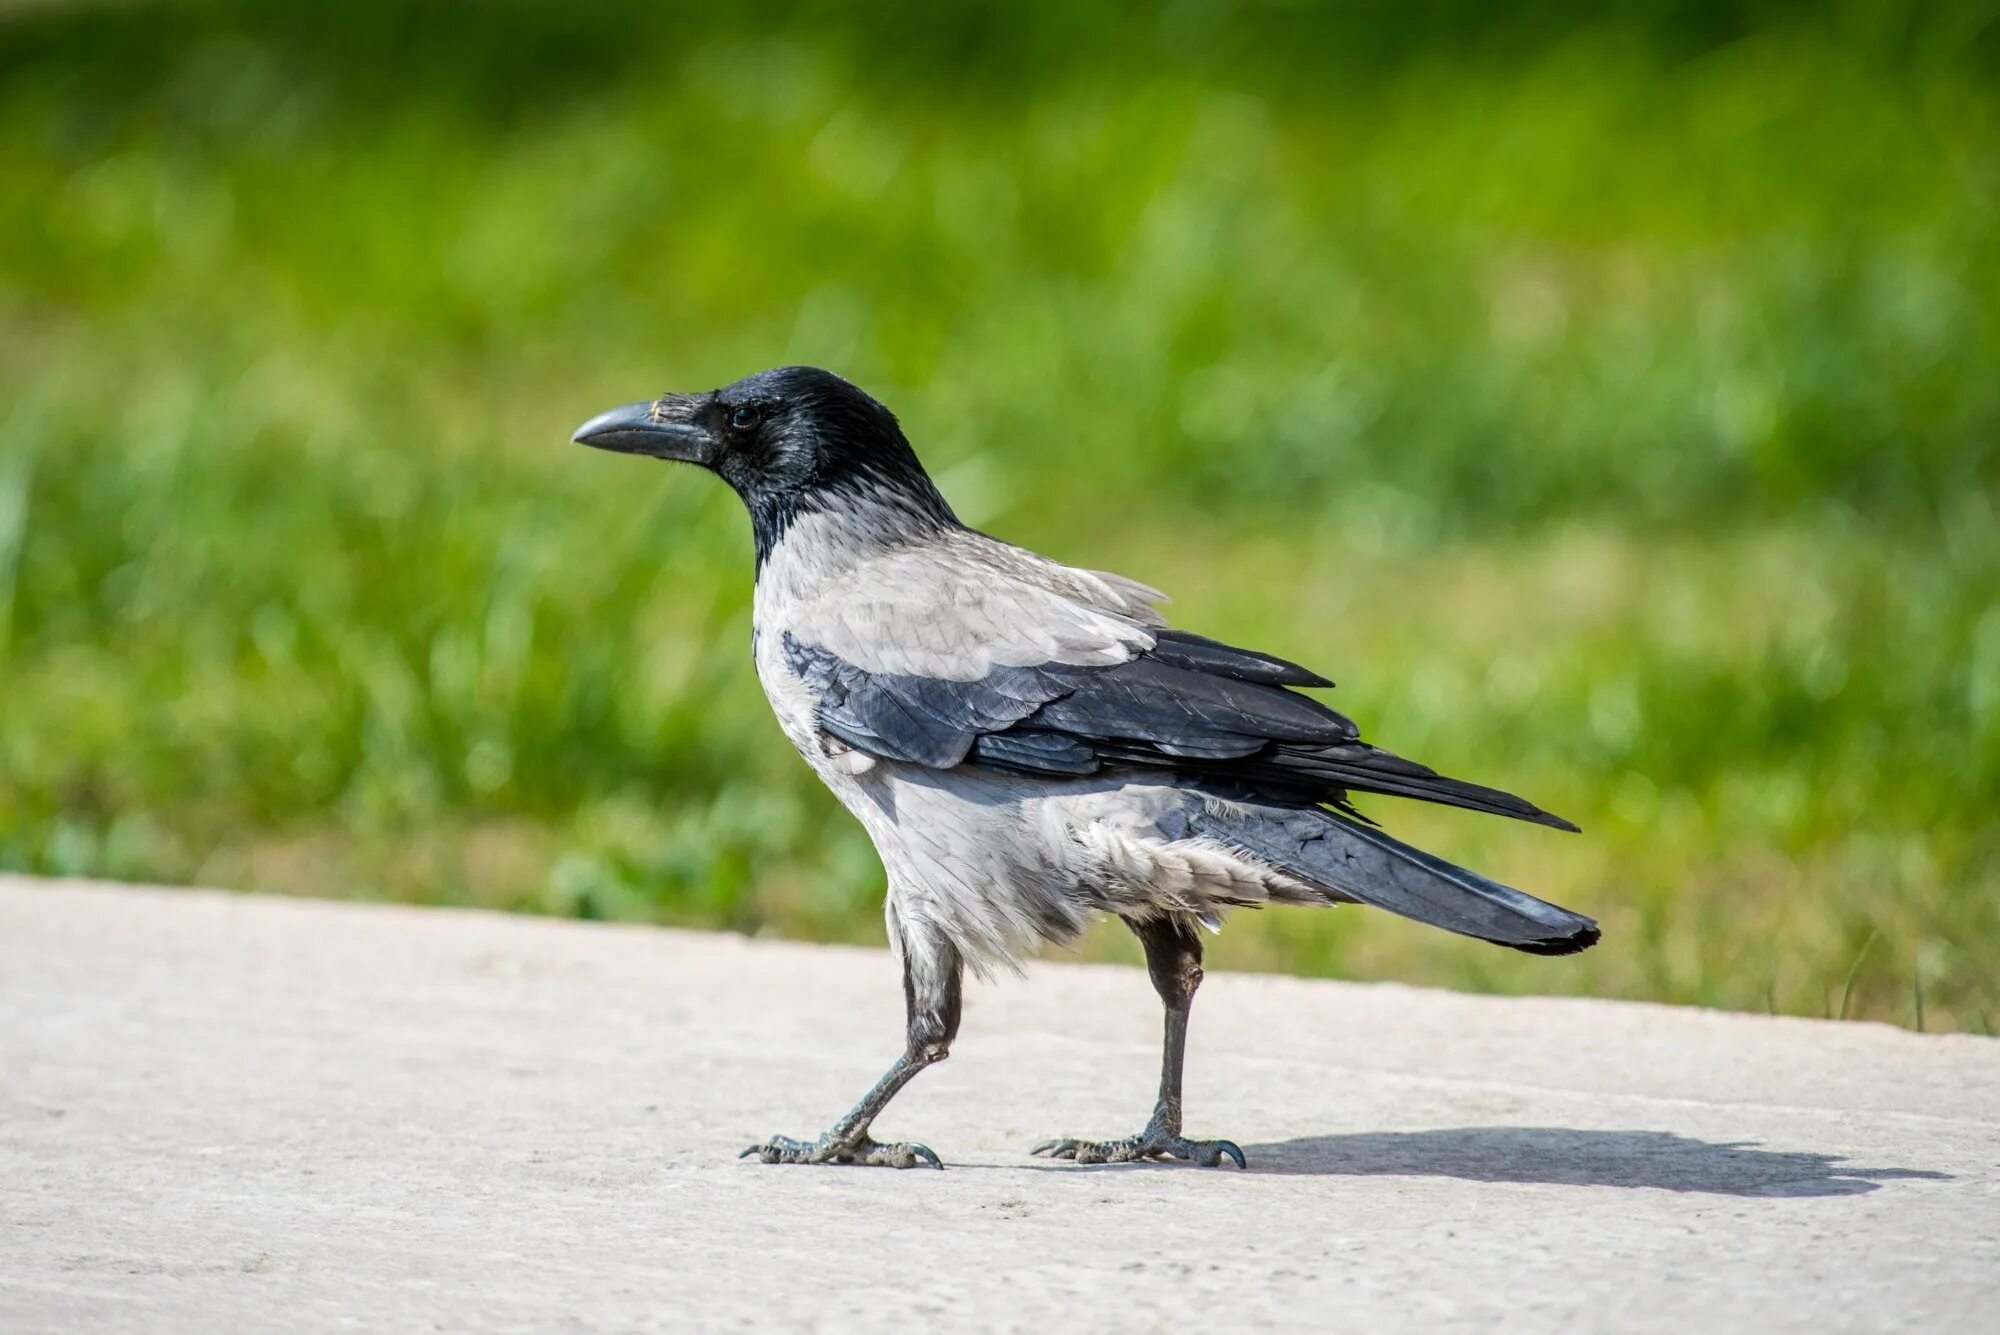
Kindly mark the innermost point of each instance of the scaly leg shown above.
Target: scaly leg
(1173, 958)
(932, 977)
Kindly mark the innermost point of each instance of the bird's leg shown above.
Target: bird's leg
(931, 995)
(1173, 958)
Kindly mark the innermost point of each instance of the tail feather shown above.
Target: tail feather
(1370, 769)
(1360, 863)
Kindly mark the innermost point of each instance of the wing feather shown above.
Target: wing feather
(1014, 663)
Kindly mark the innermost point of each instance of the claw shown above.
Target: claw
(1148, 1145)
(905, 1155)
(850, 1150)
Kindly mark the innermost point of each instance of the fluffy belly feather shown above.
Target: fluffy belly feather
(998, 865)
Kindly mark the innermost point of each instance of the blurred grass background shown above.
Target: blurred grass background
(1609, 404)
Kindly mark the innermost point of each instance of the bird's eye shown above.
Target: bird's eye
(743, 418)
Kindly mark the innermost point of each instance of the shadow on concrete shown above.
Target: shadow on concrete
(1657, 1159)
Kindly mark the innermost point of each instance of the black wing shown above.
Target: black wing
(1189, 704)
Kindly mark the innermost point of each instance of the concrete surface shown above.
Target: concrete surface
(238, 1114)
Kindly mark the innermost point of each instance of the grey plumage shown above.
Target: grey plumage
(1029, 745)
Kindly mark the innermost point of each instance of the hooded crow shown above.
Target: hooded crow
(1030, 746)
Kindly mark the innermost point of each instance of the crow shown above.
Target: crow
(1030, 746)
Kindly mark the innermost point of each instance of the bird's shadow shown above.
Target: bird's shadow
(1658, 1159)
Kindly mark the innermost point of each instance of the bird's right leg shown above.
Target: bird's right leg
(932, 992)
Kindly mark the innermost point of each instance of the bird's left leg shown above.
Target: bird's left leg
(932, 992)
(1173, 958)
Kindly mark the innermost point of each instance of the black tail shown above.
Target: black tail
(1354, 862)
(1368, 769)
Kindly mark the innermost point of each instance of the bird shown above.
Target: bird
(1031, 747)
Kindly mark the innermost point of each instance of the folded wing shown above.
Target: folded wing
(1112, 694)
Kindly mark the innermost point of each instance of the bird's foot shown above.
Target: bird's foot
(857, 1148)
(1152, 1143)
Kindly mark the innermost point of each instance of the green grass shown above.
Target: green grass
(1613, 410)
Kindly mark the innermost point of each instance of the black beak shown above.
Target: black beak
(666, 428)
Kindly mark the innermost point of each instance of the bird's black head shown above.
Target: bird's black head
(793, 441)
